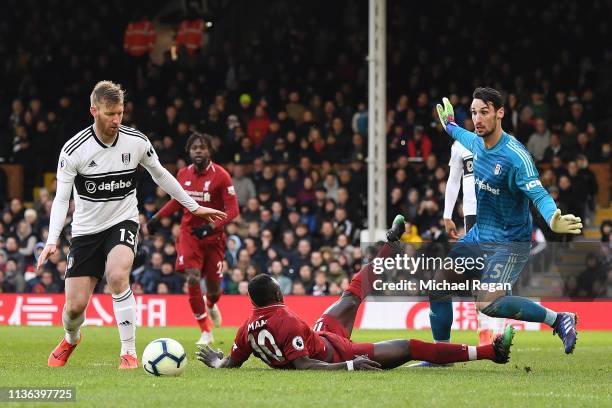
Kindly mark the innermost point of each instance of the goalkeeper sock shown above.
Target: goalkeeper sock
(520, 308)
(72, 327)
(445, 353)
(441, 320)
(124, 306)
(362, 281)
(198, 307)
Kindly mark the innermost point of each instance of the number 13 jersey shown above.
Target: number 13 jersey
(104, 177)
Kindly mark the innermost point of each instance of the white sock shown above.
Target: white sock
(72, 327)
(483, 321)
(551, 317)
(124, 305)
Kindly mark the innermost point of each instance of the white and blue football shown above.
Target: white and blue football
(164, 357)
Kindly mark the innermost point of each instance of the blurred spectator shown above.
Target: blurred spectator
(539, 140)
(419, 147)
(320, 287)
(245, 189)
(190, 34)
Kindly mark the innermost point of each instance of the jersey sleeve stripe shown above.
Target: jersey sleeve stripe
(133, 132)
(525, 162)
(521, 150)
(529, 167)
(76, 139)
(73, 149)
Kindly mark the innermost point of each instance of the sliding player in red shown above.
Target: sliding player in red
(281, 339)
(200, 246)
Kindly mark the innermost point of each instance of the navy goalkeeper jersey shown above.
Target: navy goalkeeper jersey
(506, 179)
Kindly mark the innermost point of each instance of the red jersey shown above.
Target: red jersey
(139, 38)
(212, 188)
(277, 336)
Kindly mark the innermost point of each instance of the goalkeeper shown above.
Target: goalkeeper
(505, 180)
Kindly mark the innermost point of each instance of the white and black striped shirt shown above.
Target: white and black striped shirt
(103, 179)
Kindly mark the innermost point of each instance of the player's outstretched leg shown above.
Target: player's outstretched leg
(345, 309)
(520, 308)
(78, 293)
(198, 306)
(394, 353)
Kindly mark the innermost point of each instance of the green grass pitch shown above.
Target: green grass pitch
(539, 374)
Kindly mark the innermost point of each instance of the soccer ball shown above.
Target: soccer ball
(164, 357)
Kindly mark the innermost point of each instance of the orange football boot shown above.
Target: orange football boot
(62, 352)
(128, 362)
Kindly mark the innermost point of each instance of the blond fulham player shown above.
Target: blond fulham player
(461, 174)
(99, 165)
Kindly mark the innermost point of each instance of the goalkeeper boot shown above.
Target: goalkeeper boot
(397, 229)
(565, 328)
(59, 356)
(502, 344)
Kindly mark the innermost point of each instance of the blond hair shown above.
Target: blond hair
(107, 92)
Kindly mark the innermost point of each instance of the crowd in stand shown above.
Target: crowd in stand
(287, 112)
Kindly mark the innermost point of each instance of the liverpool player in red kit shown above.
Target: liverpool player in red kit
(281, 339)
(200, 246)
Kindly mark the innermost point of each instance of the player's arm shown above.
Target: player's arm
(167, 210)
(66, 172)
(216, 359)
(453, 185)
(446, 114)
(168, 183)
(358, 363)
(527, 180)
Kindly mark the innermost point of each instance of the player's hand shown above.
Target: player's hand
(209, 215)
(364, 363)
(446, 114)
(47, 251)
(451, 229)
(565, 224)
(203, 230)
(152, 226)
(209, 356)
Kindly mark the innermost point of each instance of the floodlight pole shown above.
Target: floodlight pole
(377, 102)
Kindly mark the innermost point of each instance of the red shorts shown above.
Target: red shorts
(205, 255)
(344, 349)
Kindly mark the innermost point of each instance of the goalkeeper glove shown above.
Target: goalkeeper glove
(446, 114)
(202, 231)
(565, 224)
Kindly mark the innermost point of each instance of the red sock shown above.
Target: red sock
(361, 284)
(211, 300)
(444, 353)
(198, 307)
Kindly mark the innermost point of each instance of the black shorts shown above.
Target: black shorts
(87, 256)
